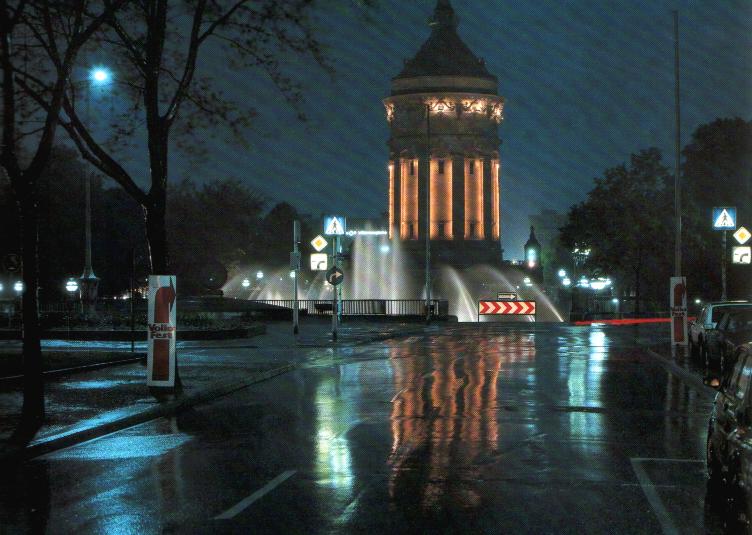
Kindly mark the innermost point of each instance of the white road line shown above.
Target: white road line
(667, 525)
(260, 493)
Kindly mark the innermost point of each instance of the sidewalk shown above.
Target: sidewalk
(84, 405)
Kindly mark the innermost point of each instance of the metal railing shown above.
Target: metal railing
(364, 307)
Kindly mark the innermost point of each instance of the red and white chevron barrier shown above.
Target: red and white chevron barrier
(506, 308)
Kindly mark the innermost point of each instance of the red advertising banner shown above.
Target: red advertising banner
(678, 304)
(162, 327)
(506, 308)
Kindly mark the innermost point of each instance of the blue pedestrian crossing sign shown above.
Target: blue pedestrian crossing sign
(724, 218)
(334, 225)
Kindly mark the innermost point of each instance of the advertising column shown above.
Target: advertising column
(678, 311)
(161, 361)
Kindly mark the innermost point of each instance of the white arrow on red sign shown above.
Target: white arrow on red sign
(503, 308)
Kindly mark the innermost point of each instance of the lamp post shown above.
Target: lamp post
(89, 283)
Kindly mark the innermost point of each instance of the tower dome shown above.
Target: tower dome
(444, 110)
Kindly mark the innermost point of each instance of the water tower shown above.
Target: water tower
(444, 111)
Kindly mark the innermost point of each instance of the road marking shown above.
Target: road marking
(667, 525)
(243, 504)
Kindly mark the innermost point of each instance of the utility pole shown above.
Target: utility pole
(427, 200)
(677, 184)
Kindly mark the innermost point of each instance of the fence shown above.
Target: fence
(364, 307)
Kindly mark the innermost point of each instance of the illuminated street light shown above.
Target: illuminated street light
(71, 285)
(698, 301)
(562, 273)
(246, 283)
(259, 275)
(1, 286)
(566, 281)
(615, 300)
(292, 274)
(384, 249)
(18, 286)
(100, 75)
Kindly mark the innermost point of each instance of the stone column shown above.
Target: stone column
(423, 178)
(458, 197)
(487, 199)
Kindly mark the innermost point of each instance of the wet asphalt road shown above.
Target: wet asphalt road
(490, 429)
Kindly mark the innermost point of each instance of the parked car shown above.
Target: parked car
(734, 328)
(729, 443)
(707, 320)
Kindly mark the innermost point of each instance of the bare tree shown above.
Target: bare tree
(30, 117)
(157, 46)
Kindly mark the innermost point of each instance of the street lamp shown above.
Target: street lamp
(384, 249)
(562, 273)
(98, 77)
(71, 285)
(566, 281)
(18, 287)
(246, 283)
(259, 275)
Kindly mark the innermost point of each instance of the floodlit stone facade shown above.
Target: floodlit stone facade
(444, 111)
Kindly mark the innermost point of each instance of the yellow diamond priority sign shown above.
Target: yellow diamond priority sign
(742, 235)
(319, 242)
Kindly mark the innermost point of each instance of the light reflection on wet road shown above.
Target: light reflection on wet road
(490, 429)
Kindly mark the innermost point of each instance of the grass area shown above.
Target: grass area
(12, 363)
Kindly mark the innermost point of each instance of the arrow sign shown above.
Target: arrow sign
(335, 276)
(506, 308)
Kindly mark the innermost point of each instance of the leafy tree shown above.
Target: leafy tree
(215, 222)
(624, 223)
(276, 233)
(717, 171)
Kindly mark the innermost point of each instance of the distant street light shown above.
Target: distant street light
(697, 301)
(18, 286)
(566, 281)
(615, 300)
(71, 285)
(246, 283)
(1, 286)
(562, 273)
(259, 275)
(384, 249)
(292, 274)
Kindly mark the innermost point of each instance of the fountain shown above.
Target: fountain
(378, 268)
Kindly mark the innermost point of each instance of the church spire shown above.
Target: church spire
(443, 15)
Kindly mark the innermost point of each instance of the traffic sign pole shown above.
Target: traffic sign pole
(723, 266)
(295, 241)
(334, 298)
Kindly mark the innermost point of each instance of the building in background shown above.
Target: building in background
(444, 111)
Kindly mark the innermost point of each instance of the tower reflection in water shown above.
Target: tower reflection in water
(445, 422)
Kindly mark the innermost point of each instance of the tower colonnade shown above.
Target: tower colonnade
(463, 200)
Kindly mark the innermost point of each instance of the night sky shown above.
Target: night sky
(586, 84)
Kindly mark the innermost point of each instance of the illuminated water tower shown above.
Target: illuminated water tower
(444, 111)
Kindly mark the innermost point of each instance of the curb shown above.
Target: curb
(175, 406)
(685, 375)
